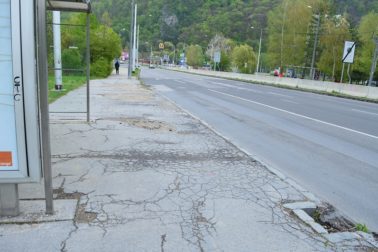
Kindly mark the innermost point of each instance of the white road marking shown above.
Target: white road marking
(180, 81)
(295, 114)
(235, 87)
(365, 112)
(289, 101)
(273, 93)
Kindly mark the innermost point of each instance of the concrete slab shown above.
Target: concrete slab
(300, 205)
(342, 237)
(303, 215)
(318, 228)
(33, 211)
(48, 236)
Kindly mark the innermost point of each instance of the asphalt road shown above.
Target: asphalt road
(328, 145)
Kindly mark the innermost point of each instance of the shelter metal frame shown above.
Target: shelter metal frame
(41, 7)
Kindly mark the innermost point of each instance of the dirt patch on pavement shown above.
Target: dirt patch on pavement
(82, 216)
(144, 123)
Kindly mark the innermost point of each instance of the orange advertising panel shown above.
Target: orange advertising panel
(6, 158)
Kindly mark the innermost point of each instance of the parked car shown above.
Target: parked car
(291, 73)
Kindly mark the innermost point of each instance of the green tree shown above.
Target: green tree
(367, 29)
(335, 33)
(244, 59)
(105, 44)
(289, 29)
(194, 55)
(225, 61)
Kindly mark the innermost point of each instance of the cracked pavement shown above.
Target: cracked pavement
(149, 177)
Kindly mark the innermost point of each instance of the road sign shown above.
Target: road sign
(19, 124)
(217, 57)
(161, 46)
(349, 49)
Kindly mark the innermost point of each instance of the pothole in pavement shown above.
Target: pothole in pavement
(81, 216)
(327, 216)
(327, 221)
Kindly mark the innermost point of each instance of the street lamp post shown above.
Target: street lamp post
(282, 36)
(259, 55)
(312, 71)
(258, 58)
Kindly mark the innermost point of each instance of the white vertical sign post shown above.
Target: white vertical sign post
(20, 155)
(348, 56)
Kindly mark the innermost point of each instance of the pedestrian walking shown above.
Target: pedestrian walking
(116, 65)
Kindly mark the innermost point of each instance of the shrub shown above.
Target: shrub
(244, 59)
(195, 57)
(71, 59)
(101, 68)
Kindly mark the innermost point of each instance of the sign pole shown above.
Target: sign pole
(348, 72)
(342, 74)
(44, 105)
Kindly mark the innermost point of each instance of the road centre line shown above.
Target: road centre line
(180, 81)
(235, 87)
(286, 100)
(273, 93)
(295, 114)
(365, 112)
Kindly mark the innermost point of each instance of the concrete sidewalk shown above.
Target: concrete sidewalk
(146, 176)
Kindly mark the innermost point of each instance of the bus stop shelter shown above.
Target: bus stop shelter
(27, 153)
(83, 6)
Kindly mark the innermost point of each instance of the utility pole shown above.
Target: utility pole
(131, 40)
(135, 34)
(374, 63)
(282, 37)
(312, 72)
(258, 58)
(137, 48)
(57, 50)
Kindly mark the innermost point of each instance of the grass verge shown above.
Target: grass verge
(70, 82)
(136, 73)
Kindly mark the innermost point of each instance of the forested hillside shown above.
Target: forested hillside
(305, 35)
(196, 21)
